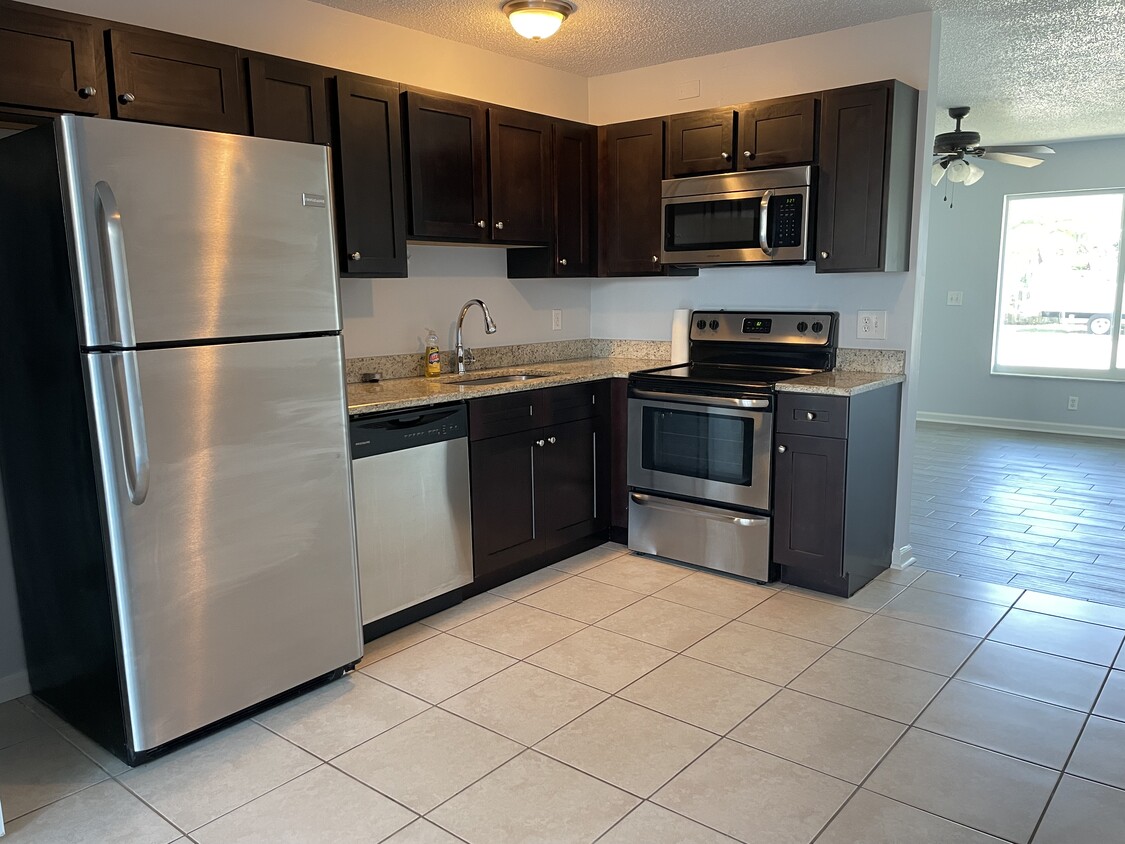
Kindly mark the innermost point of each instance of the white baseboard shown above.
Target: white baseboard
(903, 557)
(14, 685)
(1022, 425)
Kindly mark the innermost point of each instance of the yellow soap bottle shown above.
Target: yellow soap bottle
(432, 361)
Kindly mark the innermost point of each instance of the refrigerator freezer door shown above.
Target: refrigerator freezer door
(187, 235)
(235, 577)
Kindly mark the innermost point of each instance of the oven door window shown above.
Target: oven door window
(698, 445)
(711, 224)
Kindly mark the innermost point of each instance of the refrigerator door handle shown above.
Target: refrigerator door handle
(114, 270)
(130, 410)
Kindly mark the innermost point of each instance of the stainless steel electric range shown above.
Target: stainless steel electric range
(701, 437)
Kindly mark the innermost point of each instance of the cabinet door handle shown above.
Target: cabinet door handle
(481, 224)
(562, 261)
(499, 224)
(823, 254)
(355, 256)
(781, 449)
(809, 415)
(126, 98)
(725, 155)
(552, 440)
(87, 92)
(656, 259)
(747, 154)
(540, 443)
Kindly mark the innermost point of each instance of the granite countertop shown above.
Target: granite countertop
(402, 393)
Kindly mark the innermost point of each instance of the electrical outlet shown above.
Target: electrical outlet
(872, 325)
(556, 320)
(1072, 403)
(954, 297)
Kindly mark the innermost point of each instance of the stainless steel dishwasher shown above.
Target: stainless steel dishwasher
(411, 474)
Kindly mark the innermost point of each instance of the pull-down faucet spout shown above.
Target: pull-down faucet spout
(489, 328)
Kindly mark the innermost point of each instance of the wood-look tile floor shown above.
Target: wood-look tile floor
(1036, 511)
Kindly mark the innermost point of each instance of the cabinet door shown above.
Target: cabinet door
(777, 133)
(700, 142)
(162, 78)
(287, 100)
(371, 191)
(448, 168)
(566, 482)
(631, 166)
(808, 502)
(575, 198)
(50, 62)
(519, 145)
(503, 497)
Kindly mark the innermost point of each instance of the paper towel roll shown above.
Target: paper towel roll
(681, 328)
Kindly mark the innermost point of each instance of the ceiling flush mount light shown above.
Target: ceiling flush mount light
(538, 19)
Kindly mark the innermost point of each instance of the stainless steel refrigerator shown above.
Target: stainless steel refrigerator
(173, 424)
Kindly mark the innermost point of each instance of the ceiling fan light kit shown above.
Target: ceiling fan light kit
(537, 19)
(956, 149)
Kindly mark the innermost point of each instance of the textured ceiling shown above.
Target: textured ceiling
(1031, 70)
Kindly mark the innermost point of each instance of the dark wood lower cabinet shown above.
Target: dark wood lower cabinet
(503, 499)
(808, 496)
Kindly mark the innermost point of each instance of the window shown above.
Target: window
(1060, 289)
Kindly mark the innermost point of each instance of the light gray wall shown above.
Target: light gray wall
(964, 254)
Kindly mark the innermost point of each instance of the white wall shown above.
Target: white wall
(956, 352)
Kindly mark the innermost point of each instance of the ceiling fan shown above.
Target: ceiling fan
(955, 151)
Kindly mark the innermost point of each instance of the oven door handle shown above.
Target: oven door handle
(716, 401)
(741, 519)
(763, 223)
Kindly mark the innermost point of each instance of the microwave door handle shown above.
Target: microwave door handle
(763, 223)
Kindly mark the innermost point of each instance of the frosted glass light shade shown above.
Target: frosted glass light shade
(958, 170)
(937, 173)
(974, 174)
(537, 19)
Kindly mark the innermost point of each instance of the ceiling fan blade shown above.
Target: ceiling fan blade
(1028, 149)
(1009, 158)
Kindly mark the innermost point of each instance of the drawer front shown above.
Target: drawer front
(494, 416)
(571, 402)
(812, 415)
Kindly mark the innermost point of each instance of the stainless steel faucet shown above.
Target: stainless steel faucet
(463, 354)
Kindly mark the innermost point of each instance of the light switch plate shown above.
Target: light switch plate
(954, 297)
(872, 325)
(687, 90)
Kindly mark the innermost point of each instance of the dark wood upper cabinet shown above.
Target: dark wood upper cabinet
(866, 182)
(288, 100)
(777, 133)
(50, 62)
(631, 165)
(163, 78)
(519, 156)
(448, 153)
(370, 186)
(701, 142)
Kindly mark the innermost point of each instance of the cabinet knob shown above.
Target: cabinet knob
(481, 224)
(747, 154)
(87, 92)
(552, 440)
(126, 98)
(725, 155)
(656, 259)
(809, 415)
(355, 256)
(499, 224)
(540, 443)
(823, 254)
(781, 449)
(562, 261)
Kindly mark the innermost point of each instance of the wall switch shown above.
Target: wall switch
(872, 325)
(687, 90)
(556, 320)
(954, 297)
(1072, 403)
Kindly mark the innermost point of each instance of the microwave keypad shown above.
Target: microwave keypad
(787, 213)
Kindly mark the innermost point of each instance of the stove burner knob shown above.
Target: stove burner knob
(817, 327)
(701, 324)
(714, 325)
(802, 326)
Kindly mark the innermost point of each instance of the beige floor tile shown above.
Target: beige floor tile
(589, 559)
(104, 813)
(1082, 811)
(714, 593)
(882, 688)
(1100, 754)
(1052, 679)
(102, 757)
(627, 745)
(652, 824)
(599, 658)
(706, 695)
(765, 654)
(40, 770)
(987, 791)
(200, 782)
(871, 818)
(534, 799)
(395, 641)
(872, 597)
(422, 832)
(582, 599)
(638, 574)
(1018, 726)
(517, 630)
(336, 717)
(428, 759)
(966, 587)
(663, 623)
(805, 618)
(834, 739)
(322, 805)
(1059, 636)
(1073, 609)
(903, 577)
(927, 648)
(475, 607)
(439, 667)
(754, 796)
(948, 612)
(1111, 702)
(524, 702)
(529, 583)
(18, 723)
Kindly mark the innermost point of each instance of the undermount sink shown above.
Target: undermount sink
(485, 380)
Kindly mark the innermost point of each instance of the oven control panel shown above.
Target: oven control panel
(775, 327)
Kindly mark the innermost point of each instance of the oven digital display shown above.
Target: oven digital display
(756, 326)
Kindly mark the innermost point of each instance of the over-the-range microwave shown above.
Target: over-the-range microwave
(761, 216)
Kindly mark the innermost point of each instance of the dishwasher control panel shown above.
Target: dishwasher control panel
(401, 429)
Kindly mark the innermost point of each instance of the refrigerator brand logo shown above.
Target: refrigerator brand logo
(313, 200)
